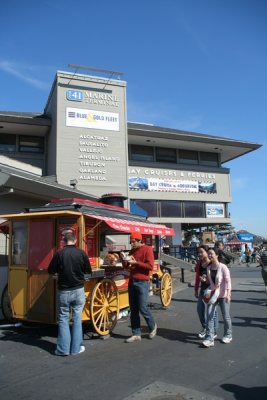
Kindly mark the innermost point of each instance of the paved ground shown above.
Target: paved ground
(173, 366)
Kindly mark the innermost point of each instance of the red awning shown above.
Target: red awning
(127, 226)
(234, 243)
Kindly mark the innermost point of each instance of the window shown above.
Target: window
(31, 144)
(194, 209)
(141, 153)
(7, 143)
(165, 155)
(150, 206)
(188, 157)
(19, 245)
(171, 208)
(209, 159)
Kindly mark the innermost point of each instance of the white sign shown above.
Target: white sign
(92, 119)
(171, 185)
(215, 210)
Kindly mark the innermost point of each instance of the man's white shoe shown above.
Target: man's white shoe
(153, 333)
(208, 343)
(134, 338)
(82, 349)
(227, 339)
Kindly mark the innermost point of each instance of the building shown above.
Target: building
(83, 146)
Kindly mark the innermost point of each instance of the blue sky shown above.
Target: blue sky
(197, 65)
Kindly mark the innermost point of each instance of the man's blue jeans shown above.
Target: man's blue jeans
(69, 342)
(138, 295)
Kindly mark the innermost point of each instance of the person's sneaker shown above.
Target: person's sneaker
(208, 343)
(134, 338)
(214, 337)
(227, 339)
(202, 334)
(58, 353)
(82, 349)
(153, 333)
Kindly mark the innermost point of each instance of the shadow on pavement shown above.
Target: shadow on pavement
(243, 393)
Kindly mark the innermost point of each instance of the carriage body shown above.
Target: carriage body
(35, 236)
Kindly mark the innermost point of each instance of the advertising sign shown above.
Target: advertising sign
(215, 210)
(92, 119)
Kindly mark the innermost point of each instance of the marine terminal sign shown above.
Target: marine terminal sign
(92, 134)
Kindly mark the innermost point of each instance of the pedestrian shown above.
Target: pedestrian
(262, 258)
(219, 278)
(201, 284)
(253, 255)
(141, 264)
(223, 256)
(70, 263)
(247, 254)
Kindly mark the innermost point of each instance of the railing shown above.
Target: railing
(184, 261)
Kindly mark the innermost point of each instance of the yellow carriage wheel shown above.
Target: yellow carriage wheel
(104, 307)
(166, 289)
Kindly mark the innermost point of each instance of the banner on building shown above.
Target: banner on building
(92, 119)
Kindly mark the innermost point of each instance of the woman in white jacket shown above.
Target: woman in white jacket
(219, 278)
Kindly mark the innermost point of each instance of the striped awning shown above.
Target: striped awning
(129, 226)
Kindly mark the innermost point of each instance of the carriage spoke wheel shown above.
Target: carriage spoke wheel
(6, 306)
(104, 306)
(166, 289)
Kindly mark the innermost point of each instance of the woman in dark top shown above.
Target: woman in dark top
(201, 284)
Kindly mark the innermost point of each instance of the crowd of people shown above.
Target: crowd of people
(212, 290)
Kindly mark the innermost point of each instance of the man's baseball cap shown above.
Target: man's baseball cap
(136, 236)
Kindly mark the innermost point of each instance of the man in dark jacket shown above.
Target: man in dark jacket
(70, 263)
(263, 264)
(223, 257)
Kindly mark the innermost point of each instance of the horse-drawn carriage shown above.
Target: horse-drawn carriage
(101, 230)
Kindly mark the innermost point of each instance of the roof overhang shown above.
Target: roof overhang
(22, 183)
(19, 123)
(150, 135)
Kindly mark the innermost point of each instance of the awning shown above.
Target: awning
(127, 226)
(234, 243)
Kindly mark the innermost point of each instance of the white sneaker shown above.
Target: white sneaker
(227, 339)
(153, 333)
(134, 338)
(202, 334)
(208, 343)
(82, 349)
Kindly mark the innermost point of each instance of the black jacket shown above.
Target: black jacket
(70, 263)
(223, 257)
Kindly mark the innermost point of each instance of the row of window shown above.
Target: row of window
(174, 208)
(170, 155)
(23, 144)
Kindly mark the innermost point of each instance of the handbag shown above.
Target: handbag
(210, 296)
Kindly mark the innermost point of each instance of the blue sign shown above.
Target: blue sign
(245, 237)
(74, 95)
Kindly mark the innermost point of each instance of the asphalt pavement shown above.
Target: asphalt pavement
(172, 366)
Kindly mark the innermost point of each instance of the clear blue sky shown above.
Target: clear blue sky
(197, 65)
